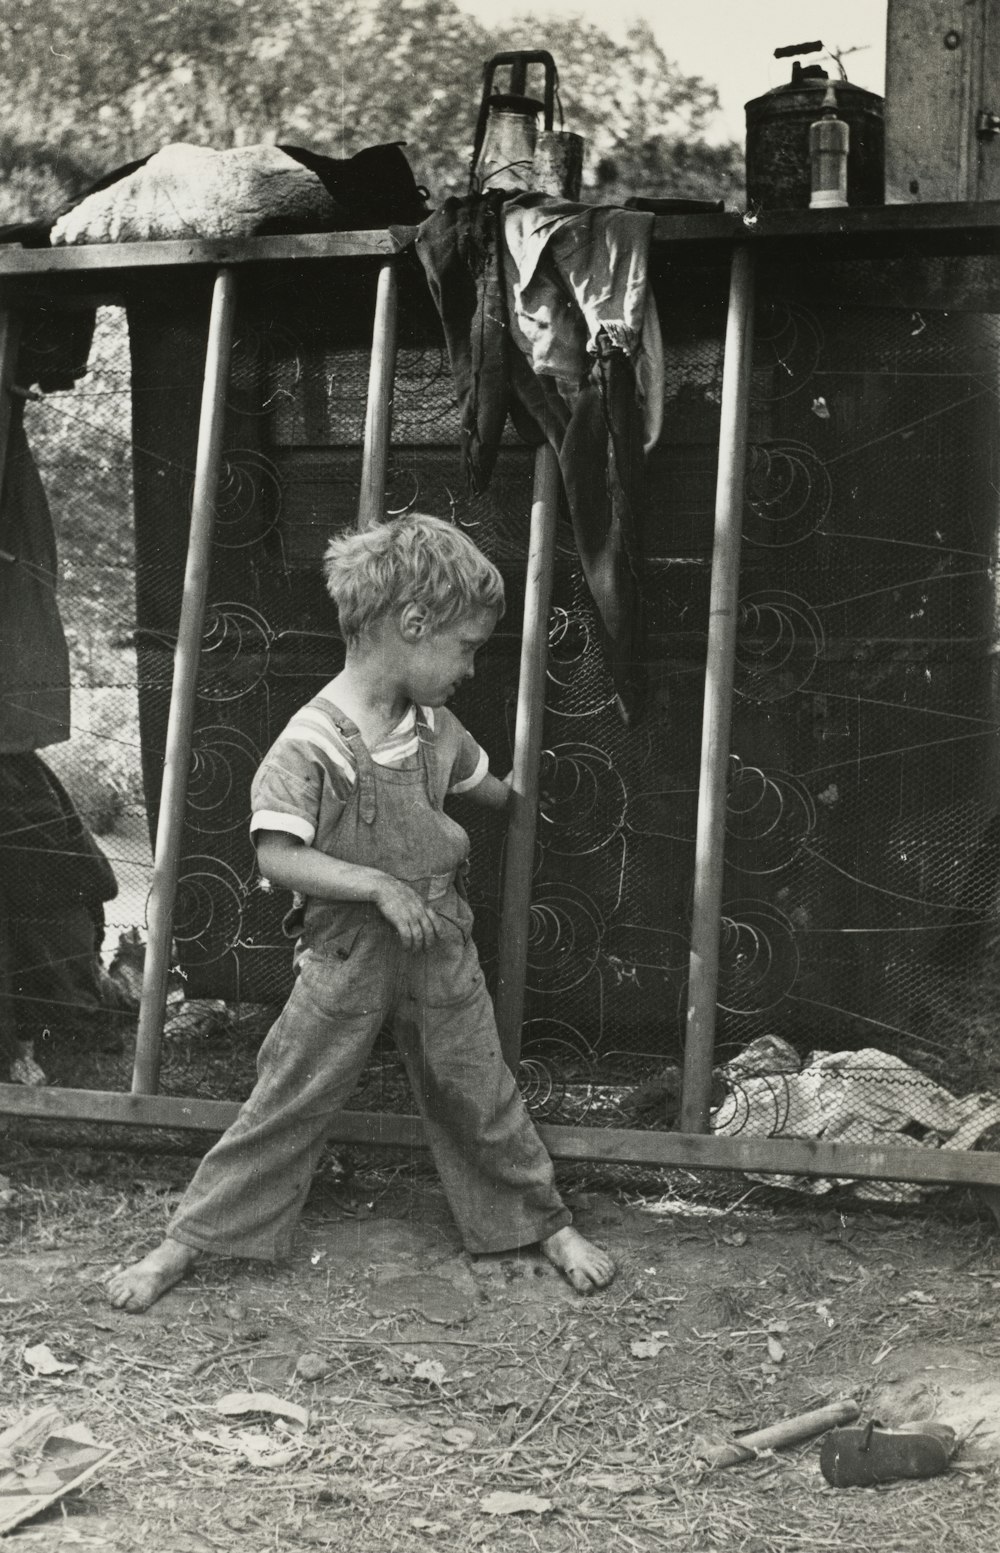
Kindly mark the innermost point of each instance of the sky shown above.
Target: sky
(729, 42)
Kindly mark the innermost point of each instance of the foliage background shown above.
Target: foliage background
(89, 86)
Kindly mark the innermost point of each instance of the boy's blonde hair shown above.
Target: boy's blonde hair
(416, 559)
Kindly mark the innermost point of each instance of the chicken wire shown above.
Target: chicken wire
(860, 894)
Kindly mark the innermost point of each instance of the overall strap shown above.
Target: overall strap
(362, 761)
(425, 745)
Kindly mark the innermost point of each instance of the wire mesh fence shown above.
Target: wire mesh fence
(860, 917)
(82, 446)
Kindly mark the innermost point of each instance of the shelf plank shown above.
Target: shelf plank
(857, 230)
(85, 258)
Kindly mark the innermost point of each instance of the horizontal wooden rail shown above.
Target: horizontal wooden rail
(214, 251)
(605, 1145)
(861, 231)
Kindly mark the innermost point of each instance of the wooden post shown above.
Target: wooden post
(719, 673)
(378, 415)
(519, 858)
(177, 756)
(10, 339)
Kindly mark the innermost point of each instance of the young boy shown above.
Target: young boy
(347, 813)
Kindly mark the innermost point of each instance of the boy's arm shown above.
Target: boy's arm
(286, 861)
(491, 792)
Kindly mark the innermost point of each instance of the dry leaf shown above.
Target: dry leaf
(775, 1351)
(237, 1403)
(391, 1368)
(430, 1370)
(460, 1439)
(386, 1423)
(503, 1503)
(259, 1450)
(43, 1361)
(415, 1439)
(615, 1482)
(311, 1366)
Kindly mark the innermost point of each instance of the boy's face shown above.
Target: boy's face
(441, 658)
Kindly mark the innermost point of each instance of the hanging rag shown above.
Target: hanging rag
(460, 250)
(548, 316)
(583, 316)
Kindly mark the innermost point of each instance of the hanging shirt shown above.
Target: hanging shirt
(573, 271)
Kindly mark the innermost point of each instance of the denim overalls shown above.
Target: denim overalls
(354, 977)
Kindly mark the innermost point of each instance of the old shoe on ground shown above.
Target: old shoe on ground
(867, 1454)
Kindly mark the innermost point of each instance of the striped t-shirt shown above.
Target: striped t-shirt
(307, 775)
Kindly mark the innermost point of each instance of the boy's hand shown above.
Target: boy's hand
(417, 924)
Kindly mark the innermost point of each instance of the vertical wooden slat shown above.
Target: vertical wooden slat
(177, 757)
(717, 717)
(519, 858)
(378, 415)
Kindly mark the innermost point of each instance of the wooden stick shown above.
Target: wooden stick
(519, 855)
(187, 654)
(791, 1431)
(378, 414)
(719, 674)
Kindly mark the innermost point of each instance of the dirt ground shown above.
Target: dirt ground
(460, 1404)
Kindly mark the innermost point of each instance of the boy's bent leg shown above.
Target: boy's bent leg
(496, 1172)
(247, 1194)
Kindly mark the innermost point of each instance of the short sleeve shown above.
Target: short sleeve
(287, 792)
(466, 761)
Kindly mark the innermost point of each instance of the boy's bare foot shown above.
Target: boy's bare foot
(586, 1266)
(137, 1287)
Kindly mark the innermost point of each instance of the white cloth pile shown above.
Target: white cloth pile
(864, 1097)
(193, 192)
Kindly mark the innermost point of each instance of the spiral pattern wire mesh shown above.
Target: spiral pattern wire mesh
(863, 843)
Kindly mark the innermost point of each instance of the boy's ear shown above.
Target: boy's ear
(414, 623)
